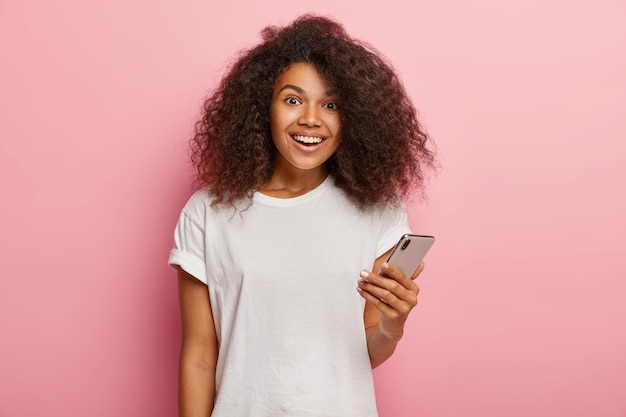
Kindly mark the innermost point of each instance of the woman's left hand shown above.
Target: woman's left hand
(393, 294)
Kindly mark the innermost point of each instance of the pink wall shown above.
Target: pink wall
(521, 311)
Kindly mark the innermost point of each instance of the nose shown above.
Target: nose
(310, 116)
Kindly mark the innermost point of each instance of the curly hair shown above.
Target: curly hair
(383, 154)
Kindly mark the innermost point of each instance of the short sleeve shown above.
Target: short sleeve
(394, 223)
(189, 244)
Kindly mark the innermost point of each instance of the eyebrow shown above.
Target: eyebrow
(299, 90)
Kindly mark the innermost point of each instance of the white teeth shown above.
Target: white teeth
(307, 139)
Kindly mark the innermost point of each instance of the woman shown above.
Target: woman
(304, 155)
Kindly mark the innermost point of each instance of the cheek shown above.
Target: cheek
(277, 119)
(336, 125)
(276, 128)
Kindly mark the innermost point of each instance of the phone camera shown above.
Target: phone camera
(405, 244)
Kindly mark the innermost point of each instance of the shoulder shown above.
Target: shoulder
(200, 198)
(198, 205)
(201, 208)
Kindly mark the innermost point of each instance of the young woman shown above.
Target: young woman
(304, 155)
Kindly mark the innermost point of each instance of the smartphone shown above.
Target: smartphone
(409, 252)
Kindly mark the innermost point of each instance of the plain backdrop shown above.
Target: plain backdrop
(521, 308)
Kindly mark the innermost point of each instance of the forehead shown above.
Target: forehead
(304, 76)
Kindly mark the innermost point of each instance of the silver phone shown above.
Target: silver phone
(409, 252)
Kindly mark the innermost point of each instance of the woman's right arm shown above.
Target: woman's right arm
(199, 349)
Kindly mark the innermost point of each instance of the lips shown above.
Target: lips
(307, 140)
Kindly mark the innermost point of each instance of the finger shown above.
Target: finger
(397, 282)
(383, 294)
(393, 310)
(394, 272)
(389, 291)
(418, 271)
(384, 308)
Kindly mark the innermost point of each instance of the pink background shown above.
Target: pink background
(522, 306)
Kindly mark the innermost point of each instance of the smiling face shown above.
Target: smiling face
(304, 119)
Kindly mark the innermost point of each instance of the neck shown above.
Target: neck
(288, 183)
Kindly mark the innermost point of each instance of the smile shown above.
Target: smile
(307, 140)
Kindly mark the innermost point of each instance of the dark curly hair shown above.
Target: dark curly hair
(384, 153)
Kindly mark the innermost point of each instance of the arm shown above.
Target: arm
(389, 300)
(199, 349)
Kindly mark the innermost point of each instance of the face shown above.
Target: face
(304, 119)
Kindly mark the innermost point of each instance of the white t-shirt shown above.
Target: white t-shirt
(282, 279)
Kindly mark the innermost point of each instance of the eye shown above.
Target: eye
(293, 101)
(331, 106)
